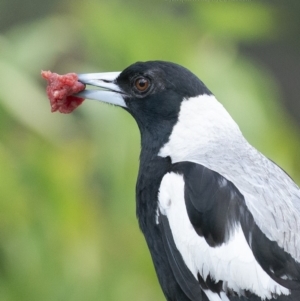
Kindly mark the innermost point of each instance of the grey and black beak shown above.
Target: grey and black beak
(108, 90)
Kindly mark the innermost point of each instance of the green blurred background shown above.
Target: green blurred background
(68, 229)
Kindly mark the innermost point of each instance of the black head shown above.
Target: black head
(154, 91)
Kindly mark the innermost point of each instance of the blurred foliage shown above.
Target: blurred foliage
(67, 211)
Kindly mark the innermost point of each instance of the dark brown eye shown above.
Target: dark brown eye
(142, 84)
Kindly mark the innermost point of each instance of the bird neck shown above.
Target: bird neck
(204, 127)
(152, 169)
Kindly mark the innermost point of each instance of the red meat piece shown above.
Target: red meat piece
(60, 91)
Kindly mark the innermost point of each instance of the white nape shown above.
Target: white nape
(203, 125)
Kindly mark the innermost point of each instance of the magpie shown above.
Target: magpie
(222, 222)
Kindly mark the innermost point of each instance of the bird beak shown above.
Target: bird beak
(109, 91)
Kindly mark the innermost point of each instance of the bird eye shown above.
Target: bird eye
(142, 84)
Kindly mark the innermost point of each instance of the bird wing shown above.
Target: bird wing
(269, 193)
(217, 236)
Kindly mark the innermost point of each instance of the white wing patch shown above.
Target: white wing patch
(233, 262)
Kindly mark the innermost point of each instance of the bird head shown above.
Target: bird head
(152, 92)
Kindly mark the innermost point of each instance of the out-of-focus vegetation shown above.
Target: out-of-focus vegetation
(67, 211)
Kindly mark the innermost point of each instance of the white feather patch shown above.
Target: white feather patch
(232, 262)
(213, 296)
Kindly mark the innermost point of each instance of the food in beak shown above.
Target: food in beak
(60, 90)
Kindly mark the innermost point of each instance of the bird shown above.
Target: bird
(221, 220)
